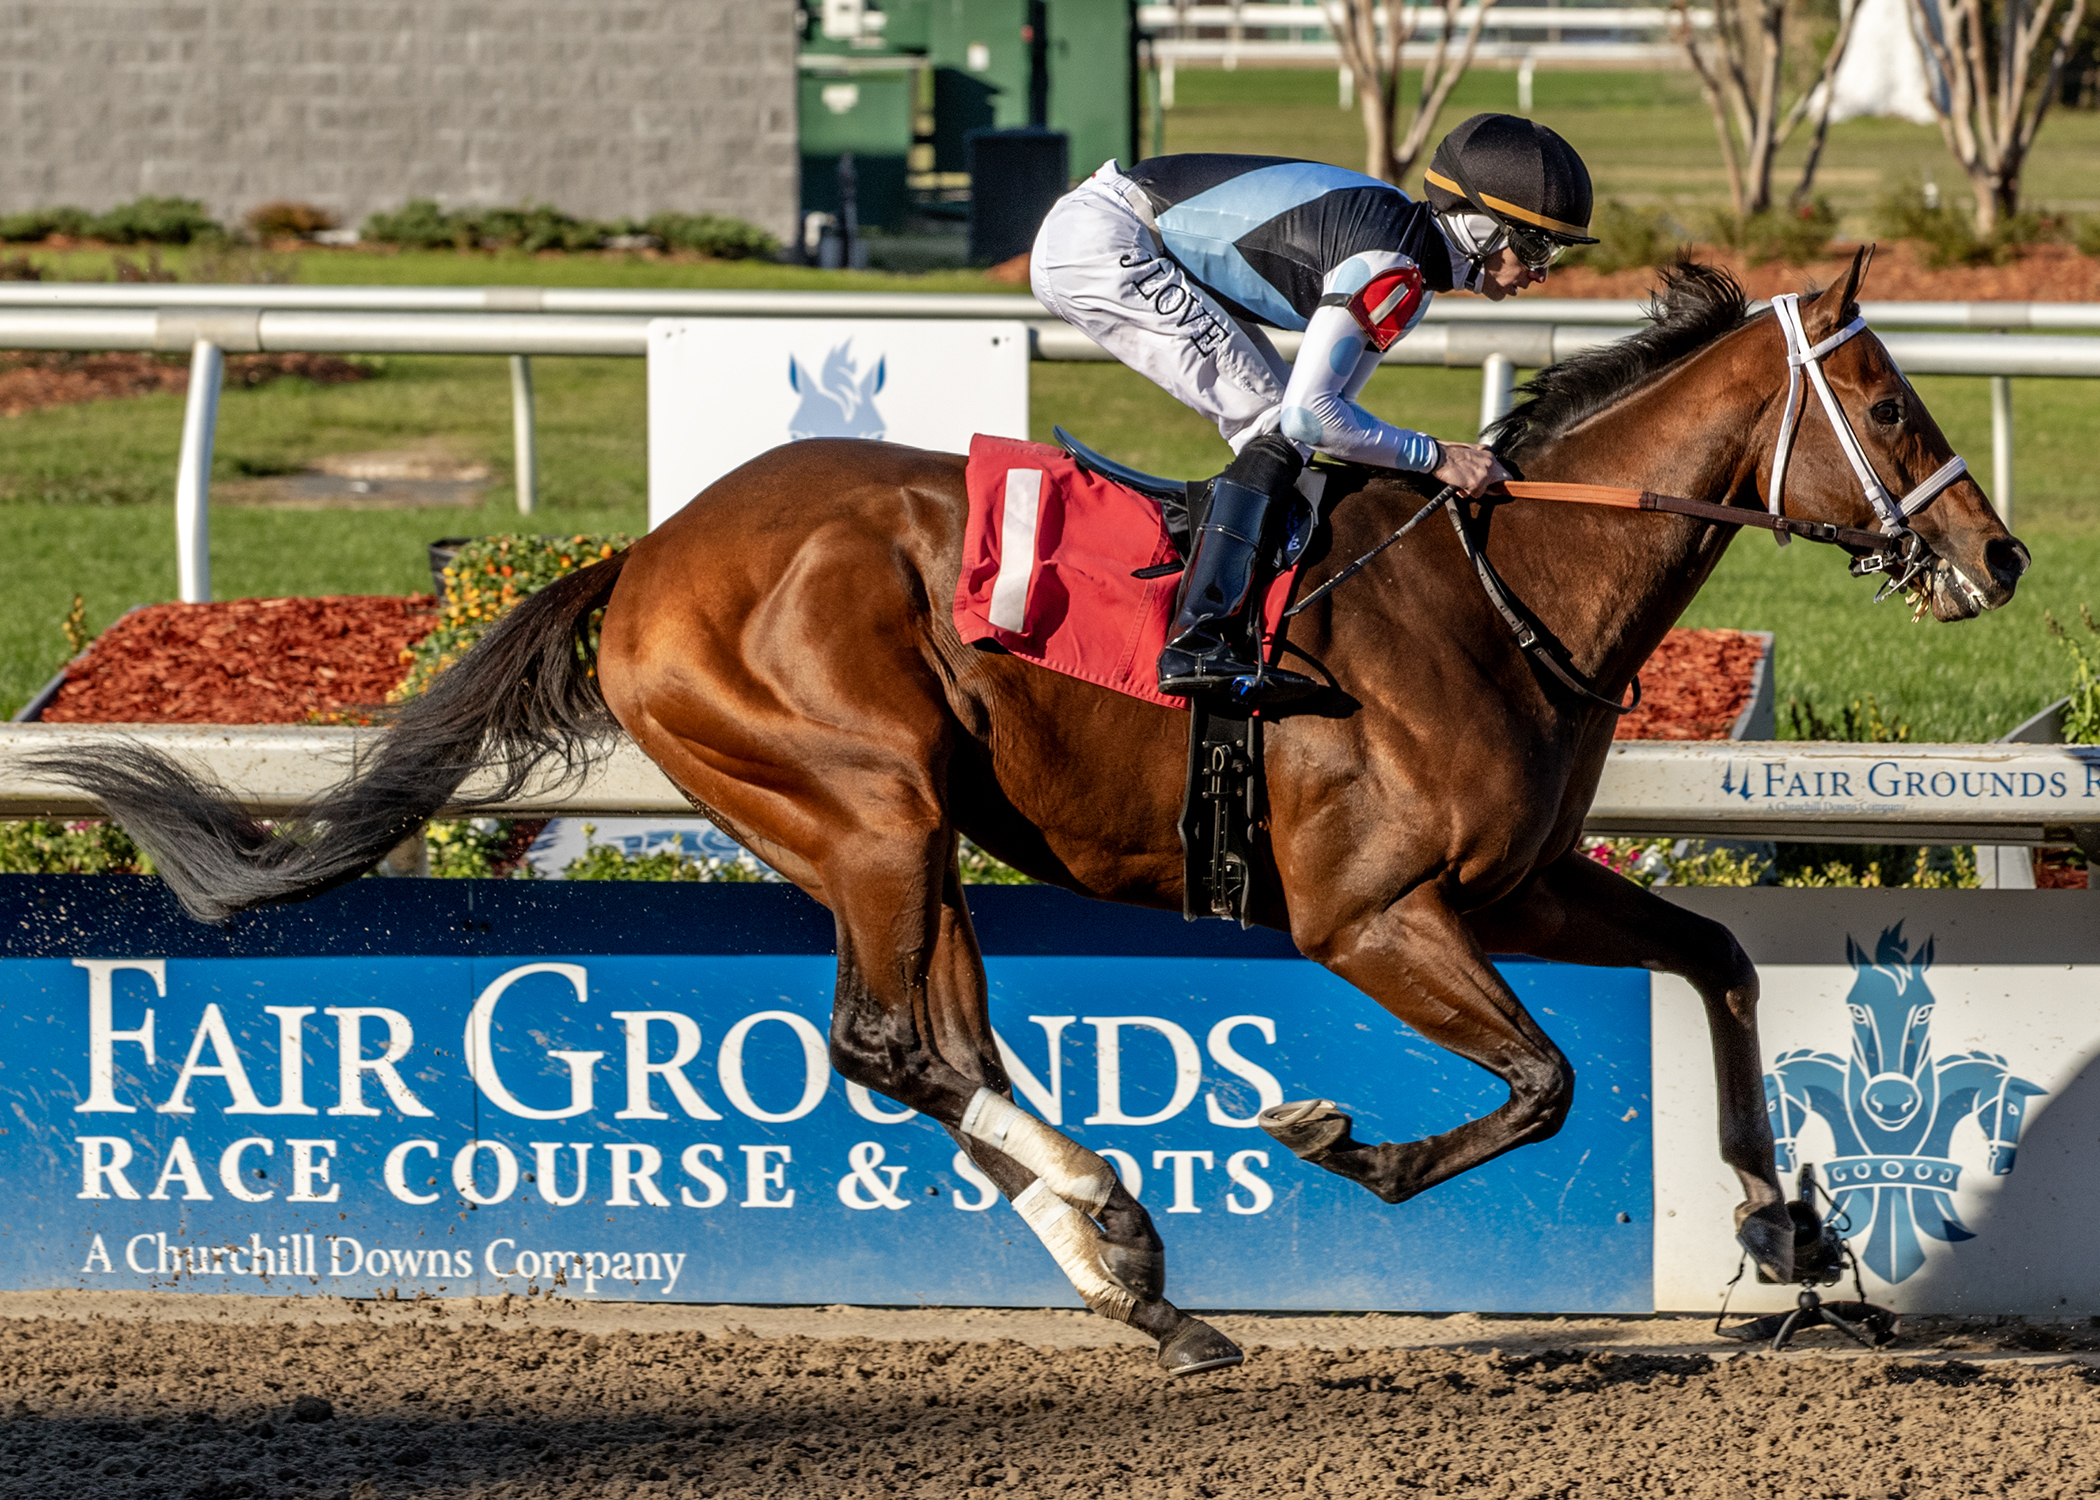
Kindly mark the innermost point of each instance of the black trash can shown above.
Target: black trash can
(1015, 175)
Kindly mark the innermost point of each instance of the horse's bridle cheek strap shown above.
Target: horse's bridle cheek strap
(1802, 355)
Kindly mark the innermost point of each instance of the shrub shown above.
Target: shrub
(2082, 713)
(1628, 239)
(289, 221)
(84, 847)
(420, 224)
(479, 848)
(717, 235)
(534, 227)
(487, 579)
(610, 862)
(1823, 866)
(156, 221)
(1792, 235)
(1948, 234)
(1859, 723)
(42, 223)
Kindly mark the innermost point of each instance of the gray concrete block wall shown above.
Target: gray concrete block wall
(600, 109)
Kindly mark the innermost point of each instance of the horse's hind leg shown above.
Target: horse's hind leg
(1578, 912)
(910, 1021)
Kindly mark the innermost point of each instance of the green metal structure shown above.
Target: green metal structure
(929, 72)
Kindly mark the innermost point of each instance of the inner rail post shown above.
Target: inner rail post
(524, 444)
(1498, 384)
(200, 424)
(2002, 448)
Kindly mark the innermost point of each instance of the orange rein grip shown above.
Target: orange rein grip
(1575, 494)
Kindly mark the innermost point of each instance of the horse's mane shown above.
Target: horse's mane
(1695, 305)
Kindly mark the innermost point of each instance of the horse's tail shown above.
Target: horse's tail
(525, 696)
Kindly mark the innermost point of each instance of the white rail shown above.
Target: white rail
(700, 302)
(1785, 789)
(206, 331)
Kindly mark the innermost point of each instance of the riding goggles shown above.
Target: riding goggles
(1534, 247)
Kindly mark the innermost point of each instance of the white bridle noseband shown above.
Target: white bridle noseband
(1893, 514)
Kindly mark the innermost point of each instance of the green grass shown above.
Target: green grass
(1647, 137)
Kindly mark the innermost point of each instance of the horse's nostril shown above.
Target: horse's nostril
(2007, 559)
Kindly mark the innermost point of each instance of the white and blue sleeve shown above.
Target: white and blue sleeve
(1335, 360)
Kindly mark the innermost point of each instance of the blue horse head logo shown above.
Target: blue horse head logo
(1892, 1109)
(840, 400)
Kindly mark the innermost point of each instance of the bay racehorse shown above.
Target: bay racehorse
(783, 647)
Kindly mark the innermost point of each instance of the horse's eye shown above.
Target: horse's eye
(1888, 413)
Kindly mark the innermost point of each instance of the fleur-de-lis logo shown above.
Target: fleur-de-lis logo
(1892, 1109)
(839, 402)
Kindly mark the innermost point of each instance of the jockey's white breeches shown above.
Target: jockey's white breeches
(1098, 266)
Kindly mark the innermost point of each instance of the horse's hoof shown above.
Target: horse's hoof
(1309, 1127)
(1195, 1347)
(1142, 1273)
(1768, 1236)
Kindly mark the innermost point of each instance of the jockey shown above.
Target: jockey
(1172, 266)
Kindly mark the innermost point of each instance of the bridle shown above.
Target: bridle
(1904, 553)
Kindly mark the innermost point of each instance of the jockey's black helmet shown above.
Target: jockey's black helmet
(1517, 172)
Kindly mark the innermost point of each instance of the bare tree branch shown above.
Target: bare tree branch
(1376, 55)
(1996, 96)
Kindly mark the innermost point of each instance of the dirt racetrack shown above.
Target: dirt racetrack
(224, 1398)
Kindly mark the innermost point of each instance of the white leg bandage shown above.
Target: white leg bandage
(1075, 1244)
(1074, 1173)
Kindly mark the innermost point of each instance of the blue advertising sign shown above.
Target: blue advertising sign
(623, 1092)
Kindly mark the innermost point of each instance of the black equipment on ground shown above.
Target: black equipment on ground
(1015, 175)
(1821, 1258)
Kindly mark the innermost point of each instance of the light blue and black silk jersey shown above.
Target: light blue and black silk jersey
(1261, 233)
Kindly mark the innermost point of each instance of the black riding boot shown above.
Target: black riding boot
(1208, 651)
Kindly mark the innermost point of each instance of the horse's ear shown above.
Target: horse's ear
(1924, 959)
(1835, 306)
(1852, 954)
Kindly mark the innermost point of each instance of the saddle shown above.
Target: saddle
(1224, 805)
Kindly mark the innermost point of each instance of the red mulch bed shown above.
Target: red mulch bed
(282, 661)
(250, 661)
(2053, 871)
(33, 381)
(1693, 687)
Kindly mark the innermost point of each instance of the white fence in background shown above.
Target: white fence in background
(520, 322)
(1528, 35)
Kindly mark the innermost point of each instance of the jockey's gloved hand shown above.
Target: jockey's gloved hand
(1470, 469)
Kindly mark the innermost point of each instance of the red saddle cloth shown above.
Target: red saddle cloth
(1046, 568)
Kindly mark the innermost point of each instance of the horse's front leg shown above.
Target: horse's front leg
(1419, 959)
(1576, 911)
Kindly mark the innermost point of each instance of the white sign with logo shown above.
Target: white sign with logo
(1935, 1055)
(724, 390)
